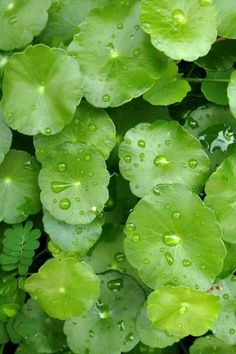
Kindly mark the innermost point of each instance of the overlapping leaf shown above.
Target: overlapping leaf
(5, 137)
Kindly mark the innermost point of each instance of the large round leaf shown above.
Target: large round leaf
(225, 327)
(182, 311)
(109, 327)
(226, 17)
(177, 26)
(215, 127)
(64, 287)
(221, 196)
(19, 192)
(90, 125)
(20, 21)
(211, 345)
(171, 244)
(72, 238)
(74, 183)
(5, 137)
(149, 334)
(116, 58)
(41, 89)
(162, 152)
(64, 16)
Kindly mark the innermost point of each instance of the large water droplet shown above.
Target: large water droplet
(161, 161)
(61, 167)
(106, 98)
(169, 258)
(65, 203)
(58, 187)
(141, 143)
(170, 239)
(186, 263)
(192, 163)
(115, 285)
(179, 17)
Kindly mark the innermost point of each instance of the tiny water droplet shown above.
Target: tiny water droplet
(169, 258)
(33, 107)
(128, 158)
(179, 17)
(121, 325)
(106, 98)
(87, 157)
(141, 143)
(226, 296)
(65, 203)
(231, 331)
(156, 191)
(205, 3)
(162, 249)
(137, 27)
(129, 338)
(146, 261)
(91, 333)
(12, 20)
(167, 142)
(115, 285)
(92, 127)
(203, 266)
(136, 238)
(192, 163)
(120, 26)
(61, 167)
(182, 309)
(47, 131)
(79, 230)
(176, 215)
(77, 199)
(186, 263)
(161, 161)
(130, 227)
(136, 164)
(120, 257)
(137, 52)
(170, 239)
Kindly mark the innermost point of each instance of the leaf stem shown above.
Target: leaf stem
(40, 254)
(202, 79)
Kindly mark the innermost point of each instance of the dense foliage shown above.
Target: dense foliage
(117, 176)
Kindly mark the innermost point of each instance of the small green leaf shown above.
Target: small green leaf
(169, 88)
(112, 317)
(50, 80)
(176, 27)
(226, 18)
(170, 245)
(72, 238)
(221, 194)
(182, 311)
(74, 182)
(21, 21)
(211, 345)
(116, 57)
(10, 310)
(64, 287)
(5, 137)
(19, 192)
(162, 152)
(216, 90)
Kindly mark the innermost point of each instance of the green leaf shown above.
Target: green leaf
(177, 27)
(72, 238)
(19, 192)
(216, 91)
(211, 345)
(116, 58)
(74, 183)
(221, 194)
(229, 261)
(64, 287)
(182, 311)
(5, 137)
(20, 21)
(231, 91)
(19, 244)
(169, 88)
(225, 327)
(162, 152)
(149, 334)
(226, 18)
(112, 317)
(64, 16)
(171, 244)
(90, 125)
(143, 349)
(50, 80)
(215, 127)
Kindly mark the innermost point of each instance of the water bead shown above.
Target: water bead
(47, 131)
(115, 285)
(65, 204)
(169, 258)
(160, 161)
(205, 3)
(128, 158)
(92, 127)
(170, 239)
(141, 143)
(192, 163)
(176, 215)
(106, 98)
(179, 17)
(61, 167)
(186, 263)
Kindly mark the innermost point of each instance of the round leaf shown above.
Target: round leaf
(216, 90)
(113, 317)
(182, 311)
(226, 18)
(64, 287)
(72, 238)
(215, 127)
(116, 58)
(90, 125)
(19, 192)
(221, 196)
(211, 345)
(177, 27)
(20, 21)
(149, 334)
(162, 152)
(5, 138)
(41, 89)
(171, 244)
(74, 183)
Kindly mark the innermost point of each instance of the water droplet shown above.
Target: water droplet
(176, 215)
(141, 143)
(65, 204)
(186, 263)
(167, 142)
(182, 309)
(58, 187)
(103, 310)
(120, 257)
(136, 238)
(205, 3)
(106, 98)
(128, 158)
(77, 199)
(146, 261)
(115, 285)
(121, 325)
(137, 27)
(132, 36)
(169, 258)
(120, 26)
(92, 127)
(192, 163)
(162, 249)
(156, 191)
(196, 286)
(161, 161)
(179, 17)
(203, 266)
(136, 164)
(62, 290)
(130, 227)
(76, 121)
(47, 131)
(113, 36)
(79, 230)
(33, 107)
(13, 20)
(87, 157)
(226, 296)
(231, 331)
(61, 167)
(137, 52)
(170, 239)
(167, 206)
(91, 333)
(129, 338)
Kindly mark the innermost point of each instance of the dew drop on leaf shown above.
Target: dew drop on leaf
(61, 167)
(58, 187)
(120, 26)
(12, 20)
(136, 238)
(192, 163)
(179, 17)
(137, 53)
(79, 230)
(226, 296)
(115, 285)
(120, 257)
(205, 3)
(170, 239)
(92, 127)
(141, 143)
(146, 261)
(106, 98)
(65, 203)
(91, 333)
(176, 215)
(47, 131)
(130, 227)
(182, 310)
(186, 263)
(161, 160)
(128, 158)
(87, 157)
(231, 331)
(169, 258)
